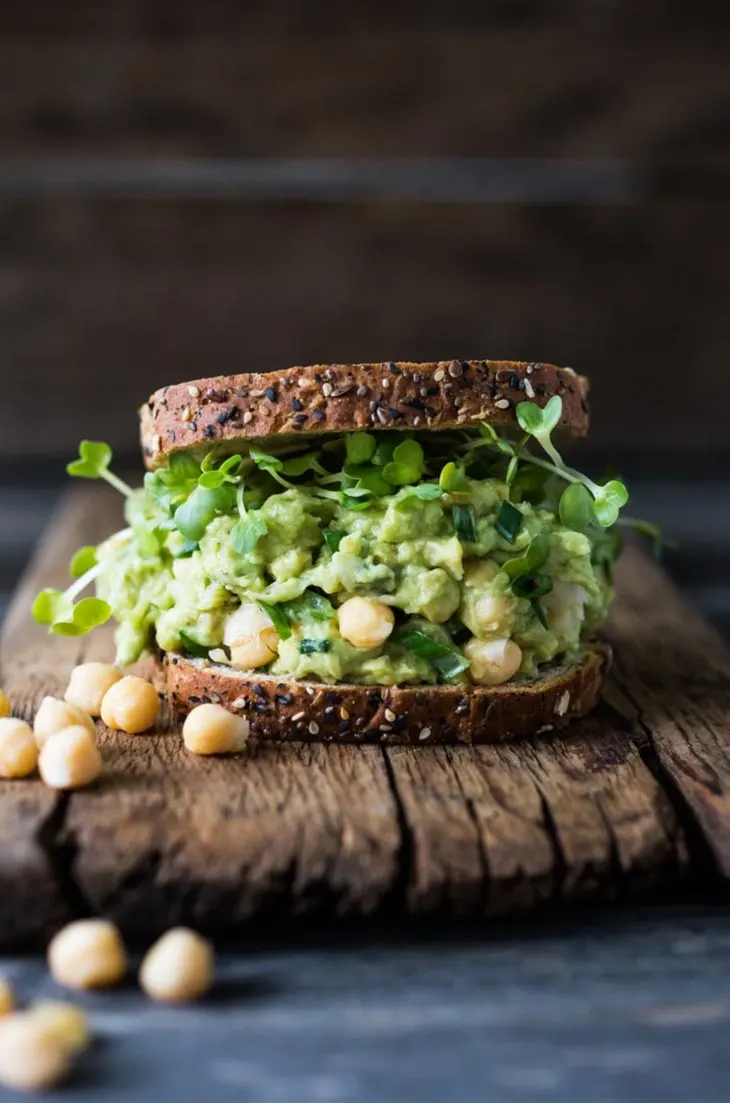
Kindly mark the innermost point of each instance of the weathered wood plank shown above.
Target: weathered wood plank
(499, 828)
(675, 671)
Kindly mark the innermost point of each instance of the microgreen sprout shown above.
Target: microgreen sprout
(247, 532)
(60, 610)
(93, 463)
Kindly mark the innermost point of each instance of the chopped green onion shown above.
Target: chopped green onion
(465, 523)
(446, 661)
(311, 647)
(199, 650)
(278, 618)
(531, 560)
(539, 611)
(509, 522)
(532, 586)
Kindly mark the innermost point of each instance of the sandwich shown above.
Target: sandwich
(391, 552)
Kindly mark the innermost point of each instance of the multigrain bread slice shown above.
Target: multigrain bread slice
(340, 398)
(315, 712)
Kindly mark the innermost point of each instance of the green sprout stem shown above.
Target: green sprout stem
(93, 573)
(117, 483)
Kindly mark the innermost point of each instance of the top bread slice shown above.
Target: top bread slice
(342, 398)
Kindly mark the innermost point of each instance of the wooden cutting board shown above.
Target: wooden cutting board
(635, 796)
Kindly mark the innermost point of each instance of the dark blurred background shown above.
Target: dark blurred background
(191, 188)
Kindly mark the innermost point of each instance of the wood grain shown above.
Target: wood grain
(311, 833)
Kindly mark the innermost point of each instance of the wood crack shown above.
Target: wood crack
(397, 897)
(61, 856)
(704, 862)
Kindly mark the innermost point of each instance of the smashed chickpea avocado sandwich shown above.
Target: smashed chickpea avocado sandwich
(393, 552)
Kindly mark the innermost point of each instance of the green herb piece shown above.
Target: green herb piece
(366, 477)
(386, 447)
(214, 477)
(311, 604)
(49, 605)
(609, 500)
(539, 611)
(93, 463)
(531, 560)
(446, 661)
(427, 492)
(298, 465)
(311, 647)
(193, 516)
(509, 522)
(532, 586)
(356, 498)
(57, 610)
(247, 532)
(333, 540)
(272, 465)
(576, 508)
(539, 423)
(406, 465)
(489, 433)
(278, 618)
(82, 561)
(360, 447)
(186, 549)
(453, 480)
(465, 523)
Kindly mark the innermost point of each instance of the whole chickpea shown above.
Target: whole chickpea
(130, 705)
(65, 1020)
(493, 662)
(18, 749)
(252, 638)
(70, 759)
(492, 611)
(88, 953)
(32, 1057)
(211, 729)
(178, 968)
(88, 684)
(364, 622)
(54, 715)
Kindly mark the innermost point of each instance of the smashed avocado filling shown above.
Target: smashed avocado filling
(380, 559)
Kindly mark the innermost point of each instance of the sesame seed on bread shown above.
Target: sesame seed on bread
(341, 398)
(299, 710)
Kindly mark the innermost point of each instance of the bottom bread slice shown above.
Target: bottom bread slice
(342, 713)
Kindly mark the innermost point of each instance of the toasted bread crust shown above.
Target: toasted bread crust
(338, 398)
(314, 712)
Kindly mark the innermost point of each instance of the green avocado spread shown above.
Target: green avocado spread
(461, 544)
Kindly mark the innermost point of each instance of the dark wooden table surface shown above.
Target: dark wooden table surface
(625, 1007)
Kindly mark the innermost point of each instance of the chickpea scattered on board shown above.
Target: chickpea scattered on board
(18, 748)
(211, 729)
(130, 705)
(88, 684)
